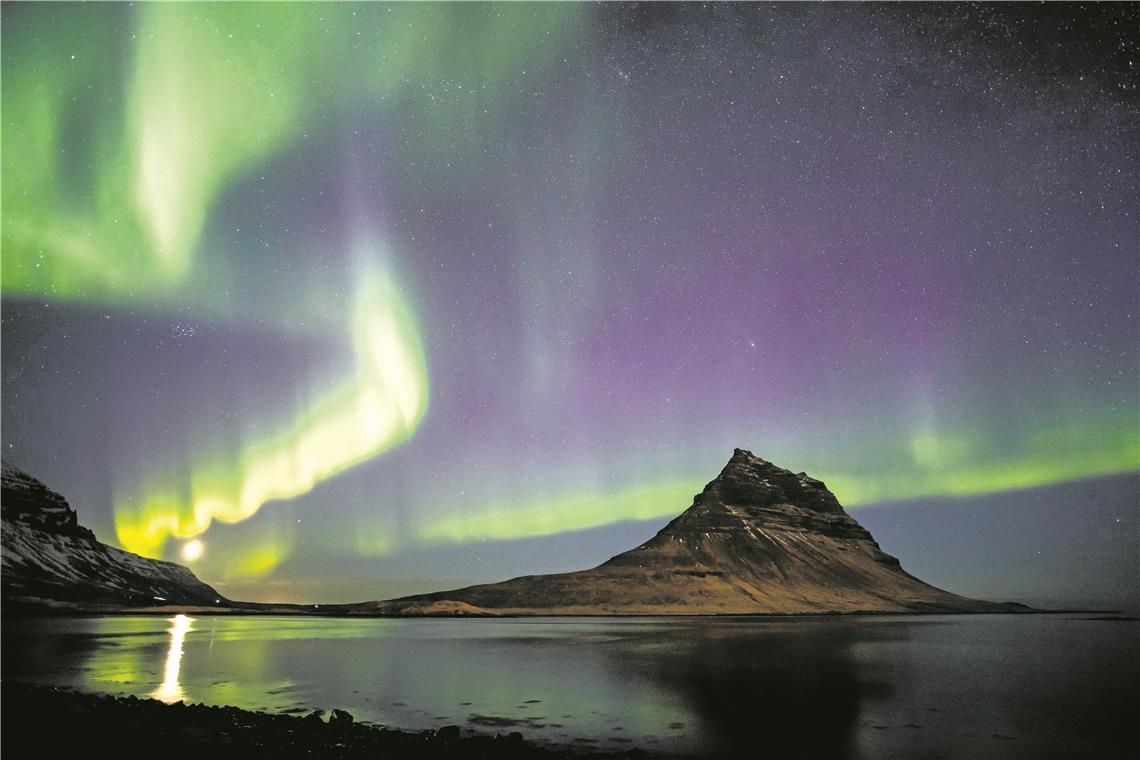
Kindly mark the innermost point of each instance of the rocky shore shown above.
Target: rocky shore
(56, 723)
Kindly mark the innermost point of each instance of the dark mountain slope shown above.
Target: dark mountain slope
(47, 556)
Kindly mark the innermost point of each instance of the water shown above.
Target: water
(862, 687)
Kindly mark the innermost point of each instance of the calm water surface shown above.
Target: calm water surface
(874, 687)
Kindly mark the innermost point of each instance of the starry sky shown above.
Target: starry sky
(345, 301)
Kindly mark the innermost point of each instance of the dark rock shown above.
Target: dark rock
(340, 718)
(32, 718)
(29, 502)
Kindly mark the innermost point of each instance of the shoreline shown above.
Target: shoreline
(57, 721)
(66, 609)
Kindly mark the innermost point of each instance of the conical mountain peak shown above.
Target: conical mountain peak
(749, 480)
(757, 539)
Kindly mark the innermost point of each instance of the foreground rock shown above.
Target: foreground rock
(44, 722)
(48, 558)
(757, 539)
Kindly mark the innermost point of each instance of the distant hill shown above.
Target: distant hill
(757, 539)
(48, 558)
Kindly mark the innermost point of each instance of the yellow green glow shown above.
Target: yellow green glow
(191, 121)
(127, 125)
(926, 473)
(194, 103)
(932, 451)
(560, 515)
(982, 478)
(374, 541)
(176, 103)
(253, 561)
(379, 407)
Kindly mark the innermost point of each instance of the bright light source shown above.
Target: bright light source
(192, 550)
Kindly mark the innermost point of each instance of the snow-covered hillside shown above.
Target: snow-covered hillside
(46, 555)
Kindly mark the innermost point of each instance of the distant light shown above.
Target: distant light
(192, 550)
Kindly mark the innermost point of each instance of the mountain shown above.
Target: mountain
(757, 539)
(48, 558)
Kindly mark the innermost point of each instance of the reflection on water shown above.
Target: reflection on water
(170, 690)
(876, 687)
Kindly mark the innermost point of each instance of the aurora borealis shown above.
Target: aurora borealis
(370, 293)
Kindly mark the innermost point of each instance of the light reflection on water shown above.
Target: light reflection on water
(170, 690)
(878, 687)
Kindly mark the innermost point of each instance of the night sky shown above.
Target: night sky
(359, 300)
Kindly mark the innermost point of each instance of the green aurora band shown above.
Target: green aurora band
(937, 466)
(200, 96)
(379, 407)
